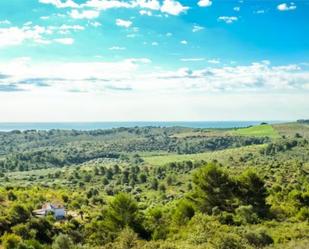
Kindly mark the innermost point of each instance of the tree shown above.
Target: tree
(156, 223)
(11, 241)
(19, 214)
(154, 184)
(127, 239)
(142, 178)
(63, 242)
(253, 192)
(123, 212)
(184, 212)
(214, 189)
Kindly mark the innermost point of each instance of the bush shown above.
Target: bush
(184, 212)
(303, 214)
(246, 215)
(127, 239)
(11, 241)
(63, 242)
(259, 238)
(229, 241)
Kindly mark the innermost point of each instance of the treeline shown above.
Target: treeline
(47, 158)
(284, 145)
(303, 121)
(23, 151)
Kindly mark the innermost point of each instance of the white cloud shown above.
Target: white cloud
(155, 44)
(107, 4)
(128, 75)
(95, 24)
(192, 59)
(60, 4)
(286, 7)
(7, 22)
(37, 34)
(117, 48)
(86, 89)
(148, 4)
(27, 23)
(139, 60)
(123, 23)
(85, 14)
(173, 7)
(214, 61)
(204, 3)
(184, 42)
(237, 8)
(65, 41)
(15, 36)
(197, 28)
(228, 19)
(11, 36)
(131, 35)
(145, 12)
(71, 27)
(260, 11)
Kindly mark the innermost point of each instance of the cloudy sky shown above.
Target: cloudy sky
(116, 60)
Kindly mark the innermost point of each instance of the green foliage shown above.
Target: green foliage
(253, 192)
(214, 189)
(123, 212)
(128, 188)
(259, 238)
(11, 241)
(127, 239)
(62, 242)
(19, 214)
(258, 131)
(184, 212)
(229, 241)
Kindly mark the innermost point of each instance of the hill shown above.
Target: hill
(156, 187)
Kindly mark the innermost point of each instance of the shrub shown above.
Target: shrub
(11, 241)
(184, 212)
(259, 238)
(63, 242)
(246, 215)
(229, 241)
(127, 239)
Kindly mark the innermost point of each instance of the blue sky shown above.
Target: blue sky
(96, 60)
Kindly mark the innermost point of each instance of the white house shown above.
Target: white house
(57, 210)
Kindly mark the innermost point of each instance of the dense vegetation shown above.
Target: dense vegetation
(157, 188)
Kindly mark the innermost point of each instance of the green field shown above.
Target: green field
(257, 131)
(221, 156)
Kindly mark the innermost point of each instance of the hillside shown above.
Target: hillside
(156, 187)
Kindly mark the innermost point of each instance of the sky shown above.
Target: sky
(153, 60)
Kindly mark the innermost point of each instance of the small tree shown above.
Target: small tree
(123, 212)
(127, 239)
(184, 212)
(214, 189)
(11, 241)
(253, 192)
(62, 242)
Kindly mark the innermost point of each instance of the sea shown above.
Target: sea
(109, 125)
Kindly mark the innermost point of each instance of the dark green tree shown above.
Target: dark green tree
(214, 189)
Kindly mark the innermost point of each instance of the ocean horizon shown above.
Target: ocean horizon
(22, 126)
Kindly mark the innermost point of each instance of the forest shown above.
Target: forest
(156, 187)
